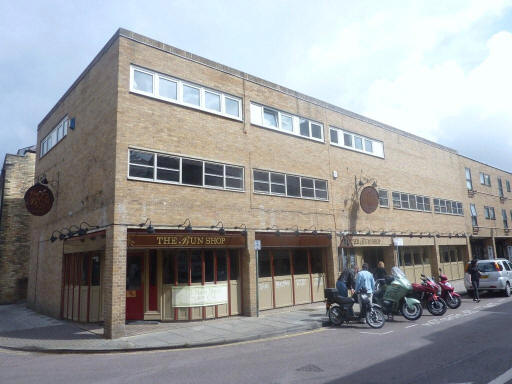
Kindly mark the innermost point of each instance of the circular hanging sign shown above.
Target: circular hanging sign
(369, 199)
(39, 200)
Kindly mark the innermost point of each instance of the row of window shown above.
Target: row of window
(274, 183)
(419, 203)
(485, 179)
(177, 91)
(489, 214)
(56, 135)
(355, 142)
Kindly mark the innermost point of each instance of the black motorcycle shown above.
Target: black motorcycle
(340, 309)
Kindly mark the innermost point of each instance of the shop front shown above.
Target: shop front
(357, 250)
(181, 276)
(453, 254)
(292, 269)
(504, 247)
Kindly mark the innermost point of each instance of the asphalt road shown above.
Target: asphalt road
(470, 345)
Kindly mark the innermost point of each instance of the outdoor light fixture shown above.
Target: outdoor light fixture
(73, 232)
(411, 234)
(63, 236)
(297, 232)
(244, 227)
(53, 238)
(222, 231)
(149, 229)
(85, 227)
(186, 225)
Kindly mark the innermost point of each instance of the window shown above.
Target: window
(507, 183)
(409, 201)
(449, 207)
(383, 198)
(281, 121)
(356, 142)
(179, 170)
(282, 184)
(489, 213)
(177, 91)
(505, 221)
(474, 220)
(469, 182)
(485, 179)
(500, 187)
(55, 136)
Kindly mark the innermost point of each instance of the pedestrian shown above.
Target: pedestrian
(364, 279)
(475, 279)
(380, 273)
(345, 282)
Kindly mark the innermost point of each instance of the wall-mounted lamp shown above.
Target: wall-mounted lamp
(150, 229)
(53, 238)
(186, 225)
(243, 227)
(222, 231)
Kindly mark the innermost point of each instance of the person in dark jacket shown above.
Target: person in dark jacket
(475, 279)
(345, 282)
(380, 273)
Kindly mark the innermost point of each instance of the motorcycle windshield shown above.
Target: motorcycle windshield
(400, 277)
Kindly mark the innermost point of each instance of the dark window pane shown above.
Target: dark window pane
(417, 259)
(192, 172)
(407, 259)
(182, 267)
(358, 143)
(234, 268)
(277, 188)
(281, 263)
(222, 269)
(168, 162)
(293, 185)
(347, 139)
(133, 273)
(85, 270)
(95, 276)
(261, 176)
(321, 194)
(142, 172)
(261, 187)
(307, 183)
(270, 117)
(264, 263)
(316, 261)
(214, 181)
(334, 136)
(234, 183)
(168, 268)
(208, 266)
(316, 131)
(426, 259)
(277, 178)
(307, 192)
(320, 184)
(196, 267)
(427, 203)
(234, 171)
(300, 262)
(166, 175)
(412, 201)
(143, 158)
(304, 127)
(214, 169)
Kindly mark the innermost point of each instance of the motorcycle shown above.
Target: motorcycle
(428, 294)
(452, 298)
(392, 294)
(340, 309)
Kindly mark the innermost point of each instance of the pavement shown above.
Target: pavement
(25, 330)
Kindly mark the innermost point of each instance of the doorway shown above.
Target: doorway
(135, 286)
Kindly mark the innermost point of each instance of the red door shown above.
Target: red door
(135, 287)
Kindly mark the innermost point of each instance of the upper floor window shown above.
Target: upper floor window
(489, 213)
(286, 122)
(504, 215)
(485, 179)
(507, 183)
(56, 135)
(469, 182)
(474, 220)
(356, 142)
(409, 201)
(383, 198)
(163, 87)
(283, 184)
(447, 206)
(500, 187)
(151, 166)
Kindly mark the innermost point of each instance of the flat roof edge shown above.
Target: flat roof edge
(235, 72)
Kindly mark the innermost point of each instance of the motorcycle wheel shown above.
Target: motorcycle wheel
(375, 318)
(335, 316)
(413, 313)
(453, 301)
(437, 307)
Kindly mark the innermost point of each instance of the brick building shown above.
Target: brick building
(169, 166)
(16, 177)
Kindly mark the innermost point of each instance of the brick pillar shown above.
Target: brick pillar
(493, 239)
(114, 282)
(332, 268)
(249, 276)
(469, 253)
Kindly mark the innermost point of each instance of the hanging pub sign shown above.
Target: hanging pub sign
(39, 199)
(369, 199)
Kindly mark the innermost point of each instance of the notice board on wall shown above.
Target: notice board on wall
(200, 295)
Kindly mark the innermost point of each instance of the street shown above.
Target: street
(469, 345)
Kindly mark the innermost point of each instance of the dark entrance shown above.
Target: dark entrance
(135, 286)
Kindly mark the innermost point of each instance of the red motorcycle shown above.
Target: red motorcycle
(452, 298)
(428, 293)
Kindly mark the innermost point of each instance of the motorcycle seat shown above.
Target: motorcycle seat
(344, 300)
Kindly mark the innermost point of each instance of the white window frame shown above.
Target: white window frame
(385, 191)
(485, 179)
(179, 93)
(53, 138)
(404, 197)
(180, 182)
(286, 175)
(260, 121)
(364, 140)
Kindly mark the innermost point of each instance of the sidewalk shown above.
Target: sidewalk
(26, 330)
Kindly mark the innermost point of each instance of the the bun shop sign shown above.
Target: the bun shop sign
(185, 240)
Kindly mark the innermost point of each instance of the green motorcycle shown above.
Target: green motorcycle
(392, 294)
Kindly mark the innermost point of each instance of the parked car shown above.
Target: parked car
(496, 276)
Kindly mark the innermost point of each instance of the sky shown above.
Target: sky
(438, 69)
